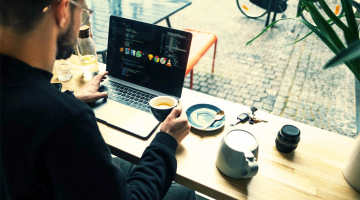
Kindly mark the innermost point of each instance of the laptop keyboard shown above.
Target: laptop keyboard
(128, 96)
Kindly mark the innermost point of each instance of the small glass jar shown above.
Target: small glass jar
(287, 139)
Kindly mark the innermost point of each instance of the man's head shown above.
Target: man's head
(23, 17)
(66, 41)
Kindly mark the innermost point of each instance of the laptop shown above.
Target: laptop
(144, 61)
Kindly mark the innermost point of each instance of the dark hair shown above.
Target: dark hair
(23, 15)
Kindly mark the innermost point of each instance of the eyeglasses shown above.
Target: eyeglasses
(86, 12)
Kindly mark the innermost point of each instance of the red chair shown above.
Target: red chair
(200, 44)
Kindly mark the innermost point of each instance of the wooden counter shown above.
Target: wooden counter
(312, 171)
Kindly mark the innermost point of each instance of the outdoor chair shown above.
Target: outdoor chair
(200, 44)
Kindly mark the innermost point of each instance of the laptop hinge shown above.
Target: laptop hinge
(138, 87)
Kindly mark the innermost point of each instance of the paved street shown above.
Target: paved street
(287, 81)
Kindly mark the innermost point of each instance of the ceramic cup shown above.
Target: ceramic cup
(162, 106)
(237, 155)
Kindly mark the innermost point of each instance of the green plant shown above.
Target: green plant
(349, 55)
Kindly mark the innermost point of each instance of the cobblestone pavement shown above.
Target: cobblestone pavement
(287, 81)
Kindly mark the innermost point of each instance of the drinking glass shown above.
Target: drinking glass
(63, 69)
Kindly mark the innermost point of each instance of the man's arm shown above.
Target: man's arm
(79, 165)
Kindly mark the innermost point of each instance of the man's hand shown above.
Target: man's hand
(90, 91)
(178, 127)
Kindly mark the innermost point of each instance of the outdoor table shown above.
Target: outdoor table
(149, 11)
(312, 171)
(268, 11)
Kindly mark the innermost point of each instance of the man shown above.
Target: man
(51, 147)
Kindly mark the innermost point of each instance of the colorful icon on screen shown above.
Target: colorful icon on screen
(162, 60)
(150, 56)
(122, 49)
(133, 52)
(138, 54)
(156, 59)
(168, 63)
(127, 50)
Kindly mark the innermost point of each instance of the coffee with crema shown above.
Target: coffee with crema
(164, 105)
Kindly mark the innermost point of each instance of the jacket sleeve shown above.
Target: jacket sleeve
(78, 164)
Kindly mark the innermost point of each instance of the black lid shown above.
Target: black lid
(290, 131)
(85, 33)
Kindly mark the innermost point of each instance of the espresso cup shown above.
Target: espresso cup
(162, 106)
(237, 154)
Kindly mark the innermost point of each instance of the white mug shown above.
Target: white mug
(237, 155)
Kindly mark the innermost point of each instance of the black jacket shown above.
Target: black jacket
(51, 147)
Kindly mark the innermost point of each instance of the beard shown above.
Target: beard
(66, 42)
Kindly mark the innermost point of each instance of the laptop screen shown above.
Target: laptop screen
(148, 55)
